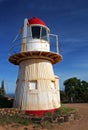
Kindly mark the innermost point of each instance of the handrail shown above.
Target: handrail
(56, 41)
(16, 46)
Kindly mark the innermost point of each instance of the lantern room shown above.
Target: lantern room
(36, 35)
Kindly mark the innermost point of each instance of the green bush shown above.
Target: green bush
(5, 103)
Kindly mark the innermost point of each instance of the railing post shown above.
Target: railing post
(56, 37)
(57, 49)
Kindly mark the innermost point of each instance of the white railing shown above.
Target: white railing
(16, 45)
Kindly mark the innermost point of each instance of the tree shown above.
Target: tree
(84, 88)
(63, 97)
(2, 89)
(72, 87)
(76, 90)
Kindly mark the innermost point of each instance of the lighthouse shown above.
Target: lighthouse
(37, 87)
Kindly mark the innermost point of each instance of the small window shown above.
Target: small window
(33, 85)
(36, 32)
(52, 85)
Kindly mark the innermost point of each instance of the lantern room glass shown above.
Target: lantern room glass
(35, 32)
(38, 32)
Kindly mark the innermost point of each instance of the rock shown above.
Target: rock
(36, 119)
(66, 118)
(60, 119)
(71, 117)
(55, 120)
(47, 118)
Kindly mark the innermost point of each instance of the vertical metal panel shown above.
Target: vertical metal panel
(25, 31)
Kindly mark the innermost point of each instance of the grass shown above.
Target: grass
(62, 111)
(14, 119)
(26, 121)
(65, 110)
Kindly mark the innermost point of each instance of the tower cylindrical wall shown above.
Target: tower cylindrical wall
(34, 91)
(34, 69)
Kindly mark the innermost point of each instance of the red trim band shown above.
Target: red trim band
(40, 112)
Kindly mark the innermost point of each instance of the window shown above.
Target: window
(33, 85)
(52, 85)
(36, 32)
(44, 34)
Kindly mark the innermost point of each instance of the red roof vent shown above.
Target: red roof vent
(36, 20)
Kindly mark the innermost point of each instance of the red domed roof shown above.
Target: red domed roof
(36, 20)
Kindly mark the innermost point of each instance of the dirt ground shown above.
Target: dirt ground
(80, 124)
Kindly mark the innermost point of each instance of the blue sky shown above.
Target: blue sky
(66, 18)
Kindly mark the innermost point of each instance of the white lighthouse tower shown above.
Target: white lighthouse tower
(37, 87)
